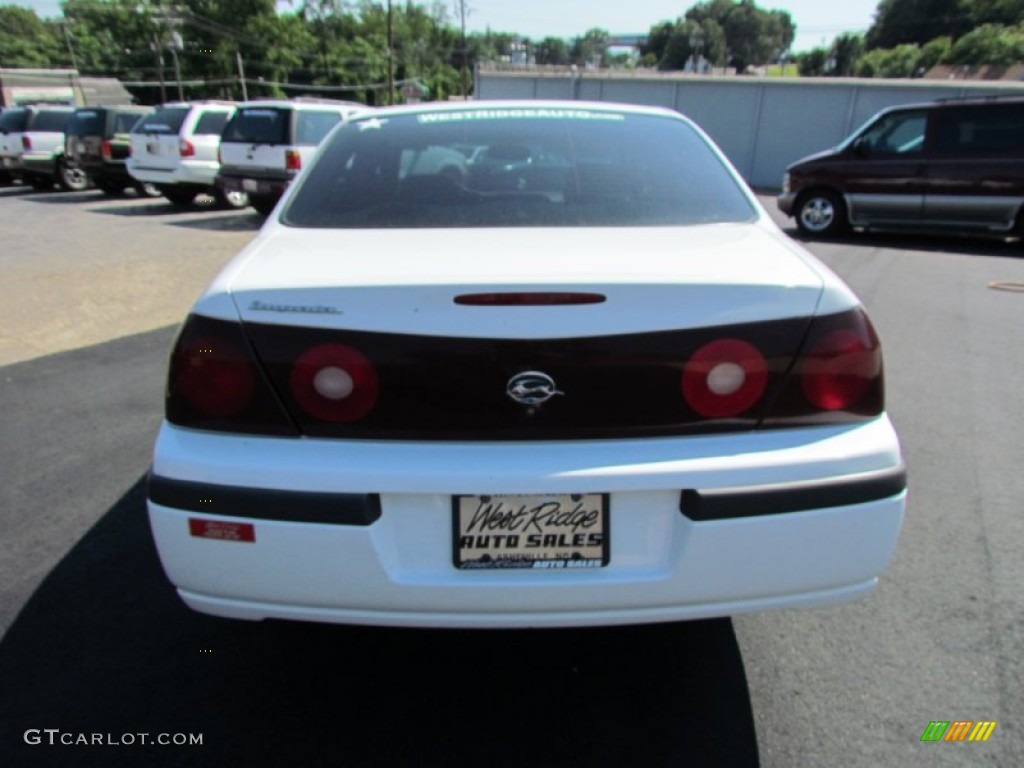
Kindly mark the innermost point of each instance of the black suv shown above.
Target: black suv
(98, 142)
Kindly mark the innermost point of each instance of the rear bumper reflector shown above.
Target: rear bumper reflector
(723, 504)
(265, 503)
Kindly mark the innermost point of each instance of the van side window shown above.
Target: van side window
(992, 128)
(211, 124)
(313, 126)
(899, 133)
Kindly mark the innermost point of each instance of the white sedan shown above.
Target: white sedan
(590, 383)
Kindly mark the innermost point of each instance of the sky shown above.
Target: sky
(817, 21)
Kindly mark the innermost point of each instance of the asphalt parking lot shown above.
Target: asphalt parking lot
(95, 641)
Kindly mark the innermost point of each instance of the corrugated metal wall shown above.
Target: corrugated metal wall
(762, 124)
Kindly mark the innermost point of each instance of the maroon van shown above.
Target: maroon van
(951, 165)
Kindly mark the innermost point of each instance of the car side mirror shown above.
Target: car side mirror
(862, 146)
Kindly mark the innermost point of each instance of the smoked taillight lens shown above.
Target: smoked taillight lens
(335, 383)
(107, 150)
(26, 142)
(215, 382)
(186, 148)
(292, 160)
(838, 375)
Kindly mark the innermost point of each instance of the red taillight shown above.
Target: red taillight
(839, 370)
(216, 383)
(724, 378)
(292, 160)
(214, 376)
(26, 142)
(107, 150)
(334, 382)
(186, 148)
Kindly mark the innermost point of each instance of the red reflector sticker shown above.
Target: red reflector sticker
(220, 530)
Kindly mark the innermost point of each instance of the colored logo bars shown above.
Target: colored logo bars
(958, 730)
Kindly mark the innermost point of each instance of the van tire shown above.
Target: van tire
(820, 213)
(180, 198)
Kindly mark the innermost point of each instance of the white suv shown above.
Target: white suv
(32, 146)
(175, 149)
(267, 143)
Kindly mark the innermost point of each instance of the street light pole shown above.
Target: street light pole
(391, 58)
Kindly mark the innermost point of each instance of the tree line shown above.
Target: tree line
(362, 46)
(909, 37)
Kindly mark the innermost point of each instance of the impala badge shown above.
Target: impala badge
(531, 388)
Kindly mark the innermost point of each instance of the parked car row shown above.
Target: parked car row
(242, 154)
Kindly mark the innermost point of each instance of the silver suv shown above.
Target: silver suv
(175, 150)
(266, 144)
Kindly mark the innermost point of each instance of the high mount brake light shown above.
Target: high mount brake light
(724, 378)
(528, 299)
(334, 382)
(215, 382)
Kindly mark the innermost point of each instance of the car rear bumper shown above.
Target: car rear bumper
(256, 182)
(43, 163)
(196, 173)
(361, 532)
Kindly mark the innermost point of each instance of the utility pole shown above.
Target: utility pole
(176, 45)
(71, 48)
(157, 46)
(391, 57)
(241, 75)
(463, 10)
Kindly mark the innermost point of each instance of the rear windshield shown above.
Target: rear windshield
(86, 122)
(536, 167)
(124, 122)
(166, 120)
(211, 123)
(13, 120)
(311, 127)
(51, 121)
(258, 125)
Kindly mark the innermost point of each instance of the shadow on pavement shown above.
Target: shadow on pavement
(945, 243)
(238, 221)
(105, 647)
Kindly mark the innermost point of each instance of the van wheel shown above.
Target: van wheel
(820, 213)
(147, 190)
(71, 179)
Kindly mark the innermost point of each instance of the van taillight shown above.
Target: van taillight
(215, 382)
(107, 150)
(292, 160)
(26, 143)
(186, 148)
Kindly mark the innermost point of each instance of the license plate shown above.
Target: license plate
(250, 185)
(558, 531)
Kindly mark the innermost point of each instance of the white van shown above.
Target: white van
(266, 143)
(32, 146)
(175, 150)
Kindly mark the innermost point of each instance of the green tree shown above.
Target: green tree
(917, 21)
(1006, 12)
(846, 49)
(752, 35)
(26, 40)
(900, 61)
(591, 48)
(812, 63)
(551, 50)
(989, 44)
(934, 52)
